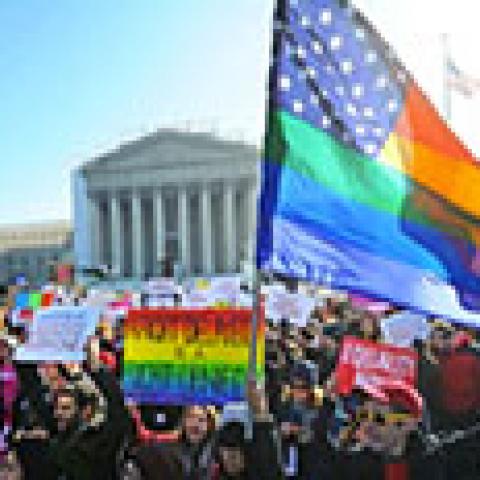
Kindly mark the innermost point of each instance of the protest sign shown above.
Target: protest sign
(189, 356)
(363, 363)
(404, 328)
(58, 334)
(160, 292)
(160, 286)
(21, 316)
(160, 301)
(199, 299)
(27, 303)
(217, 291)
(22, 300)
(291, 306)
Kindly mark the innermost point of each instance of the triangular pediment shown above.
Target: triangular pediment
(171, 148)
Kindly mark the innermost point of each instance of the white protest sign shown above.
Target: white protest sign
(159, 301)
(403, 328)
(211, 292)
(245, 300)
(59, 334)
(291, 306)
(99, 298)
(199, 299)
(160, 286)
(160, 292)
(226, 289)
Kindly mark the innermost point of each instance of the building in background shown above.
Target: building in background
(33, 250)
(171, 197)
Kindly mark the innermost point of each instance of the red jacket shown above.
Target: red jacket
(459, 381)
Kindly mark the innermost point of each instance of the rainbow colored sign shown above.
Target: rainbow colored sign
(184, 357)
(27, 303)
(34, 300)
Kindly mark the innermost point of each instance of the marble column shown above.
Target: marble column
(206, 229)
(229, 222)
(94, 227)
(116, 235)
(159, 229)
(137, 235)
(251, 222)
(183, 229)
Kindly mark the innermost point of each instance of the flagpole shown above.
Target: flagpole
(447, 93)
(279, 14)
(255, 317)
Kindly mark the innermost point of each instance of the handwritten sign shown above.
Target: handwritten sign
(365, 363)
(179, 356)
(217, 291)
(58, 334)
(404, 328)
(290, 306)
(160, 286)
(160, 292)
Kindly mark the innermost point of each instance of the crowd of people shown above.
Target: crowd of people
(70, 420)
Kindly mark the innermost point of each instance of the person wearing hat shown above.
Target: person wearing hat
(376, 432)
(305, 451)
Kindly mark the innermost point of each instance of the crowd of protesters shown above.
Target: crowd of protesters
(70, 421)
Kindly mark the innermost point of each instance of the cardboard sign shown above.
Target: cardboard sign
(291, 306)
(58, 334)
(365, 363)
(404, 328)
(180, 357)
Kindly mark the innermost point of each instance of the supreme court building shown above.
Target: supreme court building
(185, 197)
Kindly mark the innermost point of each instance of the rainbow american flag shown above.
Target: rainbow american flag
(364, 186)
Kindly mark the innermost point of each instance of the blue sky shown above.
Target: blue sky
(79, 77)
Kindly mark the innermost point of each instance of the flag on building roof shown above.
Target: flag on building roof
(460, 81)
(364, 187)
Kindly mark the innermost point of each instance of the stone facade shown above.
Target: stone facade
(184, 197)
(31, 250)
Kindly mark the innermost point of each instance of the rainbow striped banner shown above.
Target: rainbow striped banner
(184, 356)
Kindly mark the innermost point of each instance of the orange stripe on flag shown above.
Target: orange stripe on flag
(420, 122)
(454, 179)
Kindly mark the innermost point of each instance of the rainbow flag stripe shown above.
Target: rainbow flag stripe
(181, 357)
(33, 300)
(364, 186)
